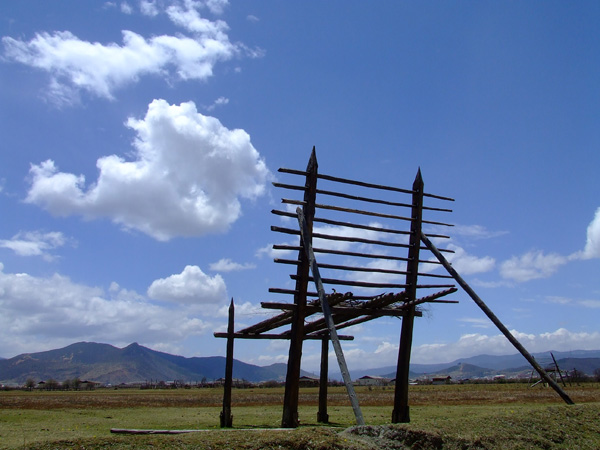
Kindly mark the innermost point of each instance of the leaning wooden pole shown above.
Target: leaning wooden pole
(308, 249)
(226, 417)
(488, 312)
(292, 380)
(401, 411)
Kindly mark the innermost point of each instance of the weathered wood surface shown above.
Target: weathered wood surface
(226, 418)
(292, 381)
(306, 240)
(400, 413)
(283, 337)
(363, 184)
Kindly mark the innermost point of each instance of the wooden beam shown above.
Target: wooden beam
(488, 312)
(363, 184)
(307, 244)
(226, 416)
(356, 254)
(401, 413)
(322, 416)
(289, 417)
(259, 336)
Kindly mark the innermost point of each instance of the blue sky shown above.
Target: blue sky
(139, 140)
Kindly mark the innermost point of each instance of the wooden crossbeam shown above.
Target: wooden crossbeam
(287, 336)
(285, 318)
(347, 311)
(362, 183)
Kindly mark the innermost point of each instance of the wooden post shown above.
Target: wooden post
(488, 312)
(401, 413)
(226, 417)
(322, 416)
(292, 380)
(307, 245)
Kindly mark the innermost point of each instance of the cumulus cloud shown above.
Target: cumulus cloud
(467, 264)
(149, 8)
(191, 286)
(47, 312)
(532, 265)
(75, 65)
(227, 265)
(186, 178)
(35, 243)
(477, 344)
(592, 245)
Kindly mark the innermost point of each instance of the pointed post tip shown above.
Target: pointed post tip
(418, 180)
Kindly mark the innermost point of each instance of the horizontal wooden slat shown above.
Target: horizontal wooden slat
(275, 336)
(348, 268)
(332, 237)
(312, 294)
(341, 310)
(358, 255)
(364, 284)
(362, 212)
(360, 183)
(348, 224)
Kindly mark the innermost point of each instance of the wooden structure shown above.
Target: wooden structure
(553, 372)
(358, 247)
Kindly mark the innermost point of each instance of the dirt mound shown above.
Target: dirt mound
(392, 437)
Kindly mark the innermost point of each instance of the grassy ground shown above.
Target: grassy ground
(455, 416)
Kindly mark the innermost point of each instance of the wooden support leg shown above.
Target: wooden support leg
(401, 413)
(226, 416)
(292, 379)
(322, 416)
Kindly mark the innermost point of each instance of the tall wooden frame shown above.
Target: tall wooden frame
(401, 299)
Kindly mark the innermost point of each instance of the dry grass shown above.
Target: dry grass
(452, 416)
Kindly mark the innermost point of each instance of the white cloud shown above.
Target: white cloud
(532, 265)
(476, 322)
(479, 344)
(476, 231)
(35, 243)
(188, 17)
(75, 65)
(126, 8)
(218, 102)
(149, 8)
(272, 253)
(466, 264)
(41, 313)
(227, 265)
(186, 179)
(191, 286)
(592, 245)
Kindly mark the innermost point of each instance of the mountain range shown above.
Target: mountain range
(107, 364)
(482, 366)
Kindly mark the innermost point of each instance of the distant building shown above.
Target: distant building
(308, 381)
(369, 380)
(441, 380)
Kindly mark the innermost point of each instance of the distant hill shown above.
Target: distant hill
(585, 361)
(111, 365)
(107, 364)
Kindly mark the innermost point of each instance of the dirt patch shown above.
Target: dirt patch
(394, 437)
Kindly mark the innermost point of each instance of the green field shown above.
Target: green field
(453, 416)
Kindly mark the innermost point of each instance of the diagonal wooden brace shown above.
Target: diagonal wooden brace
(306, 242)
